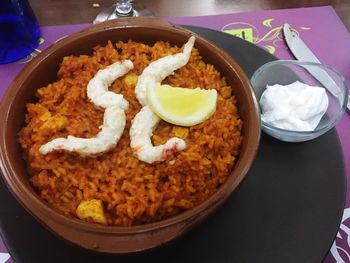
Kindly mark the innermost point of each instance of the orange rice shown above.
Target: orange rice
(132, 192)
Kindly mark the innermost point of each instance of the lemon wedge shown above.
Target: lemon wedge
(181, 106)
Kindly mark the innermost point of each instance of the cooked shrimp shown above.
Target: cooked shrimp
(146, 120)
(112, 129)
(158, 70)
(140, 133)
(113, 120)
(97, 89)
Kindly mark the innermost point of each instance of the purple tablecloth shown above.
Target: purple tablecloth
(319, 27)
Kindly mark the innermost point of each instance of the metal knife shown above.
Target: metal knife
(302, 52)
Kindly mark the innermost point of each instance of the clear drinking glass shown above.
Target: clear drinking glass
(19, 30)
(285, 72)
(122, 8)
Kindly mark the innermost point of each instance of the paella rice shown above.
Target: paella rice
(128, 191)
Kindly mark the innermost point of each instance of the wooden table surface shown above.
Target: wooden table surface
(59, 12)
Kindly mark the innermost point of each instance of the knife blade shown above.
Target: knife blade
(303, 53)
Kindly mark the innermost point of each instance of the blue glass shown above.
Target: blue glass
(19, 30)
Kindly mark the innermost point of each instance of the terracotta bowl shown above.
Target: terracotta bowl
(43, 69)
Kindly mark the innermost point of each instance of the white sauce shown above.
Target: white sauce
(296, 107)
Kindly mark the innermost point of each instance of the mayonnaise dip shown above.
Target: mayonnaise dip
(296, 107)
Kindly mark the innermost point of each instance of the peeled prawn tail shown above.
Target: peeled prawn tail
(158, 70)
(141, 132)
(113, 119)
(112, 129)
(146, 120)
(97, 88)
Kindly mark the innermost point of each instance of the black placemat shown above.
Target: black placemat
(288, 209)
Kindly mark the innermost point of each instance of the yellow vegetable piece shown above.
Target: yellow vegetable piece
(45, 116)
(91, 210)
(181, 106)
(53, 124)
(180, 132)
(131, 79)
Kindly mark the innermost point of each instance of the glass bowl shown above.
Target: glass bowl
(285, 72)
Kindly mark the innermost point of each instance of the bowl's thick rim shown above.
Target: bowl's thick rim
(36, 206)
